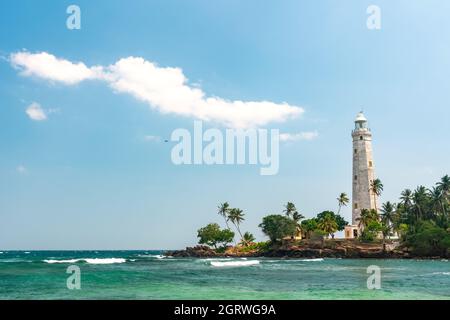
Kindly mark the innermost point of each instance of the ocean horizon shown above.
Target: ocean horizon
(149, 274)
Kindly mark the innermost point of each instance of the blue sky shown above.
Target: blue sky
(87, 178)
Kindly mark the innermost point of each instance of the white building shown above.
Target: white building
(363, 174)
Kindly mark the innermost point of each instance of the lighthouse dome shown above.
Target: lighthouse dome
(360, 117)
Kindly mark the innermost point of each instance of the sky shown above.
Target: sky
(84, 113)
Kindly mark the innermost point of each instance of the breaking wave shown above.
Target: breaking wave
(242, 263)
(90, 260)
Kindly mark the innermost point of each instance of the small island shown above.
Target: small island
(418, 226)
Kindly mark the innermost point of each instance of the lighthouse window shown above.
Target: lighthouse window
(360, 137)
(356, 151)
(356, 205)
(370, 164)
(356, 177)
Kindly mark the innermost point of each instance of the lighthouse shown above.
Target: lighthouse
(363, 173)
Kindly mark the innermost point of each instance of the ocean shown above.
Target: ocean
(151, 275)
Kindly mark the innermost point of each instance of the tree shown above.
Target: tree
(420, 201)
(277, 227)
(366, 217)
(223, 210)
(236, 216)
(247, 239)
(444, 185)
(328, 224)
(341, 222)
(387, 213)
(212, 235)
(290, 209)
(342, 201)
(297, 217)
(376, 187)
(309, 226)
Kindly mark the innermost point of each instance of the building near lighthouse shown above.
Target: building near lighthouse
(363, 174)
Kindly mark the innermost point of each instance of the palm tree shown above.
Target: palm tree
(236, 216)
(436, 200)
(420, 200)
(328, 224)
(406, 198)
(289, 209)
(224, 208)
(366, 217)
(342, 201)
(444, 185)
(388, 215)
(247, 238)
(376, 187)
(297, 217)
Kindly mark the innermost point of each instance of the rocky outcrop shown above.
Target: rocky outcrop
(305, 249)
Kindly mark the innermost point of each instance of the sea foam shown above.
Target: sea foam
(90, 260)
(312, 260)
(242, 263)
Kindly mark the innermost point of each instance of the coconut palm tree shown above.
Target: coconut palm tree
(444, 185)
(366, 217)
(223, 210)
(247, 239)
(387, 216)
(420, 199)
(406, 198)
(328, 224)
(342, 201)
(436, 200)
(290, 209)
(387, 213)
(376, 187)
(297, 217)
(236, 216)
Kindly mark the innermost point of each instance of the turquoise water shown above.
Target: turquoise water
(150, 275)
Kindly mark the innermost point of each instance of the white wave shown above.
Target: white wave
(312, 260)
(442, 273)
(27, 252)
(1, 252)
(157, 256)
(90, 260)
(234, 263)
(105, 260)
(62, 261)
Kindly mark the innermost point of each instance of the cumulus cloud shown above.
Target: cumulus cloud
(35, 112)
(47, 66)
(165, 89)
(291, 137)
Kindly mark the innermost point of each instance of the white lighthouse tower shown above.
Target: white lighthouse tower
(363, 173)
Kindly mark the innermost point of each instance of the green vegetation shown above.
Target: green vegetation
(277, 227)
(212, 235)
(420, 220)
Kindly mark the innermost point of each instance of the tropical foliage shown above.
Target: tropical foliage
(212, 235)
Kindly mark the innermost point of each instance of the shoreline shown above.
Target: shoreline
(338, 249)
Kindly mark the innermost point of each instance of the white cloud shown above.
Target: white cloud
(291, 137)
(152, 138)
(21, 169)
(47, 66)
(164, 89)
(35, 112)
